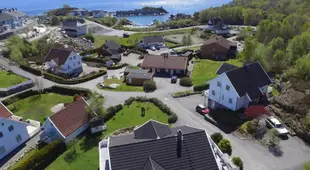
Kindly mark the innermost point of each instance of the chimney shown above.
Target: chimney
(179, 143)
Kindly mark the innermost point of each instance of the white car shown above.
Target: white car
(275, 123)
(153, 48)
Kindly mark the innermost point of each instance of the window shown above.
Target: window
(219, 83)
(79, 62)
(18, 138)
(1, 134)
(2, 150)
(74, 57)
(213, 92)
(230, 100)
(227, 87)
(222, 97)
(11, 128)
(70, 58)
(68, 67)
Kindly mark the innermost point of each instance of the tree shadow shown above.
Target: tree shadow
(276, 150)
(90, 141)
(71, 156)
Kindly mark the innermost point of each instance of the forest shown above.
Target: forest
(143, 11)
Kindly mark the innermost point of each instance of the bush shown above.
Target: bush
(90, 37)
(201, 87)
(251, 126)
(129, 101)
(95, 60)
(238, 162)
(216, 137)
(149, 85)
(225, 146)
(118, 107)
(31, 70)
(40, 159)
(117, 66)
(61, 80)
(172, 118)
(308, 121)
(111, 111)
(186, 81)
(184, 93)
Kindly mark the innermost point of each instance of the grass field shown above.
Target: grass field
(134, 38)
(9, 79)
(38, 107)
(87, 154)
(123, 86)
(204, 70)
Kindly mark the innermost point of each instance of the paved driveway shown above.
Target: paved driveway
(131, 59)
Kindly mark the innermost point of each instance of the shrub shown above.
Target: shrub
(251, 126)
(216, 137)
(95, 60)
(61, 80)
(172, 118)
(40, 159)
(201, 87)
(31, 70)
(184, 93)
(186, 81)
(117, 66)
(308, 121)
(225, 146)
(238, 162)
(149, 85)
(118, 107)
(111, 111)
(90, 37)
(129, 101)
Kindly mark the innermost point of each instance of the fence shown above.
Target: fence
(16, 88)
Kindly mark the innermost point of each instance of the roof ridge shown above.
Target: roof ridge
(152, 122)
(69, 105)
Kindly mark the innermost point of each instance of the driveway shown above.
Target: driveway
(131, 59)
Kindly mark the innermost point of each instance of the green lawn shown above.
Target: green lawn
(87, 154)
(38, 107)
(9, 79)
(123, 86)
(134, 38)
(204, 70)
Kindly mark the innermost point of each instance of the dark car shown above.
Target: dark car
(202, 109)
(174, 79)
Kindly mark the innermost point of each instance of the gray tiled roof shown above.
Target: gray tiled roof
(4, 17)
(153, 39)
(140, 75)
(225, 67)
(128, 152)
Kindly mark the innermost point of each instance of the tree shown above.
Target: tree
(66, 6)
(149, 85)
(216, 137)
(96, 103)
(187, 40)
(16, 56)
(273, 139)
(302, 68)
(55, 21)
(225, 146)
(299, 46)
(238, 162)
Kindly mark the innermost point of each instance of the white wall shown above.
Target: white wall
(76, 132)
(243, 102)
(50, 131)
(72, 62)
(8, 140)
(264, 89)
(221, 91)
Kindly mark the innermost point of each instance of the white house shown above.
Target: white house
(14, 131)
(68, 123)
(152, 41)
(74, 28)
(101, 14)
(11, 19)
(236, 88)
(63, 61)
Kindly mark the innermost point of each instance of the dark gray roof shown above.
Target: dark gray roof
(16, 13)
(133, 70)
(59, 56)
(116, 56)
(140, 75)
(248, 79)
(112, 45)
(225, 67)
(4, 17)
(152, 130)
(128, 152)
(153, 39)
(150, 164)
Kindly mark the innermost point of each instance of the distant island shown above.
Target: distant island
(142, 12)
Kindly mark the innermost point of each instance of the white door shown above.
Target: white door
(129, 80)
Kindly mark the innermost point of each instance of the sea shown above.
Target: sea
(36, 7)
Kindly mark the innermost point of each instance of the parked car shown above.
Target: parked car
(174, 79)
(153, 48)
(202, 109)
(273, 122)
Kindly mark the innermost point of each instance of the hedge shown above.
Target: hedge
(117, 66)
(186, 82)
(61, 80)
(111, 111)
(90, 51)
(149, 85)
(172, 117)
(96, 60)
(31, 70)
(40, 159)
(71, 91)
(201, 87)
(184, 93)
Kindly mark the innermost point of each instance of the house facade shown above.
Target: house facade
(166, 65)
(68, 123)
(238, 88)
(138, 76)
(11, 19)
(218, 48)
(74, 28)
(112, 50)
(63, 62)
(152, 41)
(14, 131)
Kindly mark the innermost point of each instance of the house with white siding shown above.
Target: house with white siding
(14, 131)
(68, 123)
(236, 88)
(63, 62)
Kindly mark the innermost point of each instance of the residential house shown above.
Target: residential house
(112, 50)
(63, 62)
(156, 146)
(138, 76)
(171, 65)
(97, 124)
(14, 131)
(68, 123)
(218, 48)
(217, 26)
(100, 13)
(152, 41)
(74, 28)
(236, 88)
(11, 19)
(79, 12)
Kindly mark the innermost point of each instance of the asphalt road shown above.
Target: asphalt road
(255, 156)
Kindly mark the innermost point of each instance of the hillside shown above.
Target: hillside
(143, 11)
